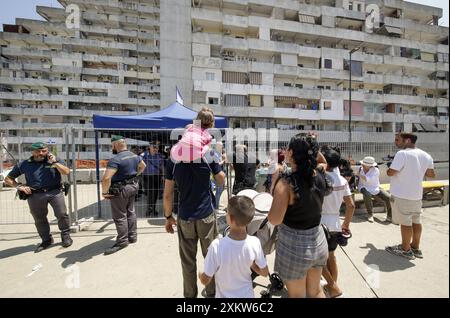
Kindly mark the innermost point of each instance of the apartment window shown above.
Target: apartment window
(299, 85)
(209, 76)
(14, 74)
(5, 65)
(326, 105)
(328, 63)
(213, 101)
(359, 7)
(34, 120)
(379, 129)
(350, 5)
(327, 87)
(320, 86)
(82, 121)
(287, 85)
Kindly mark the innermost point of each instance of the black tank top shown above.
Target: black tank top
(306, 211)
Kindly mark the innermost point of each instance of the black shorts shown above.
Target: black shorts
(333, 242)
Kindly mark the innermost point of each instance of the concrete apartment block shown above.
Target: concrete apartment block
(262, 63)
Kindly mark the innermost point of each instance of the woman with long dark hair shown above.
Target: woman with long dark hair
(301, 249)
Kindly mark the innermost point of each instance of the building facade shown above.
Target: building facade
(262, 63)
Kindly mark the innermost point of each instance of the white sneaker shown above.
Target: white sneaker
(370, 219)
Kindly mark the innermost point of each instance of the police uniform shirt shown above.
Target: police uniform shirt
(126, 164)
(38, 174)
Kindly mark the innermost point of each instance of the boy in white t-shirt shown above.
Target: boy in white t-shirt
(407, 171)
(330, 217)
(232, 258)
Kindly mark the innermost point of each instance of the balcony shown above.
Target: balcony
(392, 118)
(296, 71)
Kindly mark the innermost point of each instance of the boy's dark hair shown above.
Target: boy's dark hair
(333, 158)
(409, 136)
(242, 209)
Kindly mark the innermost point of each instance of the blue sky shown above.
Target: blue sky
(9, 10)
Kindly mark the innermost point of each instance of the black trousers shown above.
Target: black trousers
(152, 186)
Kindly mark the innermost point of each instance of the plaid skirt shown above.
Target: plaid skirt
(297, 251)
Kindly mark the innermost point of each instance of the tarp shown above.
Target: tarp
(171, 117)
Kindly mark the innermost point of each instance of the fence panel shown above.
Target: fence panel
(83, 202)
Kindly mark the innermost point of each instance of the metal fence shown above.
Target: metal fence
(82, 201)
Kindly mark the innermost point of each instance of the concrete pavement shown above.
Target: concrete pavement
(151, 267)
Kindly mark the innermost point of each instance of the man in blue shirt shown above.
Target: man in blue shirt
(152, 176)
(120, 185)
(196, 219)
(43, 185)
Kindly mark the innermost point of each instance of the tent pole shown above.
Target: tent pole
(97, 173)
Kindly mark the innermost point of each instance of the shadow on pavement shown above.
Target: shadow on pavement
(86, 252)
(385, 261)
(10, 252)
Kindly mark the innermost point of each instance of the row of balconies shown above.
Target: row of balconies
(253, 44)
(78, 84)
(85, 113)
(119, 19)
(290, 113)
(315, 93)
(314, 73)
(57, 41)
(132, 7)
(308, 29)
(80, 99)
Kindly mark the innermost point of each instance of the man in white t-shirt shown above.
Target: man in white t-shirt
(369, 187)
(330, 217)
(408, 169)
(232, 258)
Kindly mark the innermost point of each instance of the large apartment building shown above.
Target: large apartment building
(261, 63)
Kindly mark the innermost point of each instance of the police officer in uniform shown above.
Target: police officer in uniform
(43, 186)
(120, 186)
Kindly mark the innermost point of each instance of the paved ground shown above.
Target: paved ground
(151, 267)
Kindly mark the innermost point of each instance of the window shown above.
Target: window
(213, 101)
(359, 7)
(320, 86)
(209, 76)
(82, 121)
(33, 120)
(287, 85)
(350, 5)
(5, 65)
(328, 63)
(327, 87)
(379, 129)
(326, 105)
(299, 85)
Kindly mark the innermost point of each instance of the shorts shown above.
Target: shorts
(406, 212)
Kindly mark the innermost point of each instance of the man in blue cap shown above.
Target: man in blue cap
(43, 186)
(120, 185)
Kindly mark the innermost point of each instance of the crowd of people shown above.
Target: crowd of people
(310, 186)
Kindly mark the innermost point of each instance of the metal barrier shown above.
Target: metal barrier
(83, 199)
